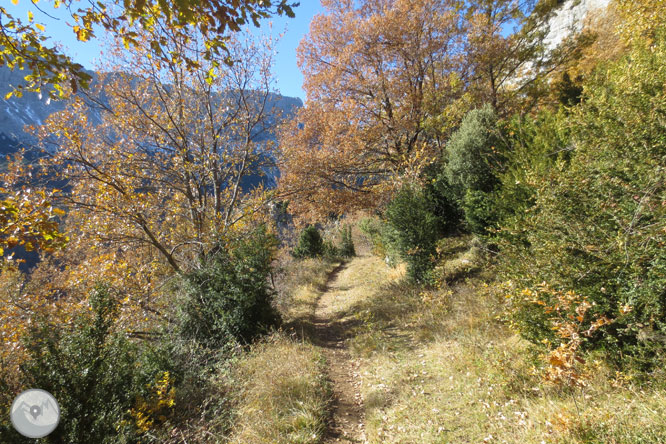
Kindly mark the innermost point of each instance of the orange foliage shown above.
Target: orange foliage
(569, 318)
(373, 72)
(154, 184)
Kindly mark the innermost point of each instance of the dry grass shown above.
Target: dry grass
(299, 284)
(438, 367)
(464, 264)
(365, 274)
(282, 394)
(281, 391)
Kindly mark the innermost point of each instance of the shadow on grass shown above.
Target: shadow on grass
(305, 325)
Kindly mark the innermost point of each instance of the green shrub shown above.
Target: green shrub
(442, 198)
(480, 211)
(473, 152)
(598, 221)
(310, 243)
(91, 370)
(372, 228)
(201, 407)
(347, 244)
(415, 230)
(329, 250)
(228, 300)
(538, 145)
(474, 160)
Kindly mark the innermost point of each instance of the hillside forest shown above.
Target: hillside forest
(459, 238)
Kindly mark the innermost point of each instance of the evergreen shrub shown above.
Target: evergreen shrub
(347, 248)
(598, 223)
(310, 243)
(91, 370)
(474, 158)
(228, 300)
(415, 231)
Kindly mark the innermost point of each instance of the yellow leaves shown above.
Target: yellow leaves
(26, 219)
(640, 18)
(621, 380)
(150, 411)
(150, 195)
(568, 313)
(597, 324)
(15, 2)
(82, 33)
(563, 366)
(572, 319)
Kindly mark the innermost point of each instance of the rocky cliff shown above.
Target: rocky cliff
(570, 17)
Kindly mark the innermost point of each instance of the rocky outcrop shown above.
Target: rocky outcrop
(570, 17)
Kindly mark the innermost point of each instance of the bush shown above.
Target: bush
(474, 161)
(473, 152)
(347, 244)
(415, 230)
(480, 211)
(187, 391)
(442, 199)
(538, 145)
(598, 222)
(228, 300)
(310, 243)
(374, 229)
(329, 250)
(91, 371)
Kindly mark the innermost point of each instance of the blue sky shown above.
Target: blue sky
(289, 78)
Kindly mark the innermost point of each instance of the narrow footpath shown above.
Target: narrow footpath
(347, 421)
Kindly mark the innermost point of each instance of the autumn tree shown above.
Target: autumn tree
(372, 72)
(641, 19)
(23, 44)
(506, 61)
(616, 29)
(28, 217)
(158, 159)
(29, 221)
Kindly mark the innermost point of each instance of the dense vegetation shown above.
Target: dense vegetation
(572, 199)
(470, 151)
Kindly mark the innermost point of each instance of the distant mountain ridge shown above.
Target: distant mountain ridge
(31, 109)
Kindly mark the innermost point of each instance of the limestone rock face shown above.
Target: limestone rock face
(570, 18)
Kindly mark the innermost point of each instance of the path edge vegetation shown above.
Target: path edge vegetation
(528, 222)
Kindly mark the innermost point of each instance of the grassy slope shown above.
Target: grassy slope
(438, 367)
(281, 392)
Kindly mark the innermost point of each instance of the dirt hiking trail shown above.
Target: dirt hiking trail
(332, 328)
